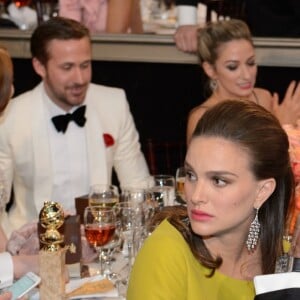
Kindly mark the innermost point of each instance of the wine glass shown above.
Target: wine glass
(180, 179)
(100, 226)
(105, 195)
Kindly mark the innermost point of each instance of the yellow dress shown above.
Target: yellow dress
(165, 268)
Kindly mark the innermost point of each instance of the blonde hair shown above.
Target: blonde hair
(213, 35)
(6, 78)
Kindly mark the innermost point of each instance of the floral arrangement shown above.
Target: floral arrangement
(293, 133)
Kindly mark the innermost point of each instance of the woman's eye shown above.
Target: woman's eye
(251, 63)
(231, 67)
(190, 176)
(219, 181)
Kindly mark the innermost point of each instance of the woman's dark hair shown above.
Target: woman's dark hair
(58, 28)
(258, 132)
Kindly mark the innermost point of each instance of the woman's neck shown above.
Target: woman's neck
(237, 261)
(218, 96)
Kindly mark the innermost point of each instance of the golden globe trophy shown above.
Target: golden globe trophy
(52, 253)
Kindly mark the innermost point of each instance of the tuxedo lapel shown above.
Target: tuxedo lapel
(95, 147)
(41, 150)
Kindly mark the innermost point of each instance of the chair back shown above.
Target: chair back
(164, 157)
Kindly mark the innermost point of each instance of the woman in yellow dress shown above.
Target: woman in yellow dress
(238, 187)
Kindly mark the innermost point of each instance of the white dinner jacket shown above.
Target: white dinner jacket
(25, 149)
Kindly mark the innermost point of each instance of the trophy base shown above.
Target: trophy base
(52, 272)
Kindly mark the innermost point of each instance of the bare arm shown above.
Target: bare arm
(136, 24)
(119, 15)
(24, 264)
(194, 116)
(186, 38)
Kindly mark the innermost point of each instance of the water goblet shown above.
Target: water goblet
(166, 183)
(130, 216)
(100, 226)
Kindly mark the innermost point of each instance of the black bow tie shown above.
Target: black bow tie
(61, 122)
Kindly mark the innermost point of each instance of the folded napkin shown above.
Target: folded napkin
(275, 282)
(24, 17)
(89, 287)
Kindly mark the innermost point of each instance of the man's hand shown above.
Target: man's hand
(25, 240)
(186, 38)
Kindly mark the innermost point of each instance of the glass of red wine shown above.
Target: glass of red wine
(100, 226)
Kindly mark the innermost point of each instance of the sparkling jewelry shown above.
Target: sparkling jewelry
(253, 234)
(213, 84)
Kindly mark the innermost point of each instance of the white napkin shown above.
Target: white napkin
(76, 283)
(25, 17)
(275, 282)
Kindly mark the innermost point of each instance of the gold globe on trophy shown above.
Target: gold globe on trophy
(51, 218)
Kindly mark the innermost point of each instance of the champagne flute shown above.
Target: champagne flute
(104, 195)
(100, 226)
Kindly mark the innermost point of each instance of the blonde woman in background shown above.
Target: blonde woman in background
(110, 16)
(227, 56)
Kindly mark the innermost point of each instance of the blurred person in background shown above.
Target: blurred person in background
(227, 56)
(100, 16)
(270, 18)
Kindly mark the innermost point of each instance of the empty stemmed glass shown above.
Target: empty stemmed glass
(100, 226)
(131, 217)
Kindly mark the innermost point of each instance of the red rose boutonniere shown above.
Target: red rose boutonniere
(108, 139)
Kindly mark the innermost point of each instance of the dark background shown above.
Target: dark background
(160, 97)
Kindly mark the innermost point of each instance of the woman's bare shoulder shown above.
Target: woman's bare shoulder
(198, 111)
(194, 116)
(263, 97)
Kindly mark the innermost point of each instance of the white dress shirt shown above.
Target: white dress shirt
(68, 159)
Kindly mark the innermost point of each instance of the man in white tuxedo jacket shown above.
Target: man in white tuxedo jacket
(43, 160)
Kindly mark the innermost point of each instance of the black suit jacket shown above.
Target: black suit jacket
(287, 294)
(273, 17)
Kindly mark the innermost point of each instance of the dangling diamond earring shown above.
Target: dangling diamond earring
(213, 84)
(253, 234)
